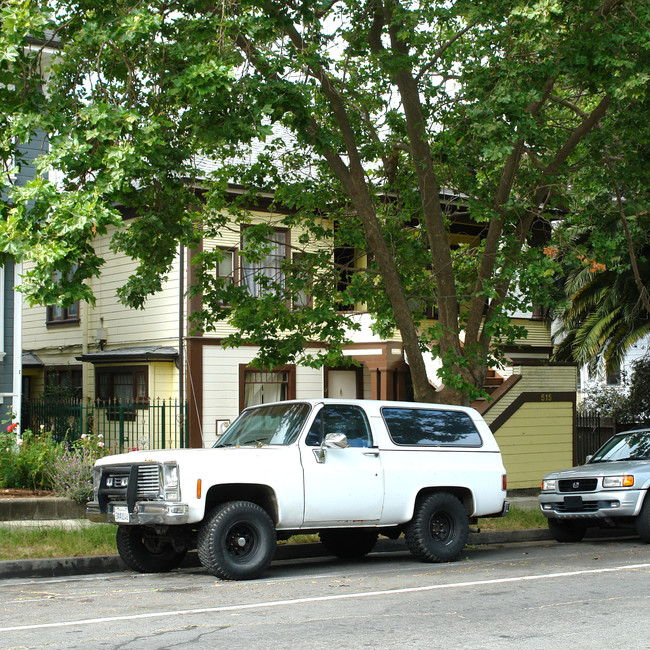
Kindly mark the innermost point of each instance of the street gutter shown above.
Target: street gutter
(73, 566)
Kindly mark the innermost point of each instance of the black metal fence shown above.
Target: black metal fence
(592, 431)
(121, 425)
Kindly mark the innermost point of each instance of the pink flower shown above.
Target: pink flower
(19, 441)
(100, 444)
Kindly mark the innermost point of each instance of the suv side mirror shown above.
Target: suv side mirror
(332, 440)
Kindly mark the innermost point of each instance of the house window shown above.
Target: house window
(125, 384)
(225, 269)
(260, 276)
(262, 387)
(63, 382)
(614, 376)
(302, 299)
(63, 315)
(56, 315)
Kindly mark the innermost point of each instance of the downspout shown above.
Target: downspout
(181, 331)
(18, 344)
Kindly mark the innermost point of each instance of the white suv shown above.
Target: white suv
(347, 469)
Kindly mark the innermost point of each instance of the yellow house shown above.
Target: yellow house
(108, 354)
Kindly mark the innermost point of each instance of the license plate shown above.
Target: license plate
(573, 503)
(121, 514)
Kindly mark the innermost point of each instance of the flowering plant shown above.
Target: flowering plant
(24, 459)
(71, 470)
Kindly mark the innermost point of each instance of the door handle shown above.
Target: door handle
(371, 452)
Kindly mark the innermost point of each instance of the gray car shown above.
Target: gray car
(609, 490)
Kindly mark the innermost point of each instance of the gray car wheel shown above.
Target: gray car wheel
(642, 522)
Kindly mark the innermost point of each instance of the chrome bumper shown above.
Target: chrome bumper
(144, 513)
(594, 505)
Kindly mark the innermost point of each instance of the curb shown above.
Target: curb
(34, 508)
(71, 566)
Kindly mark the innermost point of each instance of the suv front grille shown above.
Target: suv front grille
(129, 483)
(578, 485)
(148, 481)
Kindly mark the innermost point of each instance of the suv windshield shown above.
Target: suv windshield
(277, 424)
(633, 445)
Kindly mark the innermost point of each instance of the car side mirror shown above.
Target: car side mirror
(332, 440)
(588, 458)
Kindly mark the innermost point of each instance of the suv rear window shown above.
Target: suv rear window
(431, 427)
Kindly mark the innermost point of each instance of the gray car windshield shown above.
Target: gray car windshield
(633, 445)
(277, 424)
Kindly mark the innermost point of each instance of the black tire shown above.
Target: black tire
(349, 543)
(566, 530)
(642, 522)
(439, 529)
(143, 551)
(237, 541)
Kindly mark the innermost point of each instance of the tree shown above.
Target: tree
(603, 319)
(364, 114)
(604, 248)
(638, 401)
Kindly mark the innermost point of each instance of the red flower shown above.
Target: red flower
(11, 427)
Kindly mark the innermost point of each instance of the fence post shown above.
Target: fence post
(162, 426)
(120, 411)
(186, 412)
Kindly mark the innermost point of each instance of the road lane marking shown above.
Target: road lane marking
(317, 599)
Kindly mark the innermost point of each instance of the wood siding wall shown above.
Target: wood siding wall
(156, 325)
(533, 423)
(220, 397)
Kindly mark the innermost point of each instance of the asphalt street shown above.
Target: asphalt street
(526, 595)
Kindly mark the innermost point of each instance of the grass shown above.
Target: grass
(24, 542)
(516, 519)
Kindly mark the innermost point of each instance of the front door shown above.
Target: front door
(342, 384)
(348, 487)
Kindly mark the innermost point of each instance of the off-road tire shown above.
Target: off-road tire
(566, 530)
(142, 551)
(439, 529)
(237, 541)
(349, 543)
(642, 522)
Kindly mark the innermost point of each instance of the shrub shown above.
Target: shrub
(70, 473)
(24, 461)
(606, 401)
(638, 403)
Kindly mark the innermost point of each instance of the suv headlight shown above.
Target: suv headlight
(618, 481)
(97, 475)
(549, 485)
(171, 483)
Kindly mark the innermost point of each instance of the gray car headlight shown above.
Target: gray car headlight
(618, 481)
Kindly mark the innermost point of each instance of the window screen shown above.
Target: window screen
(429, 427)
